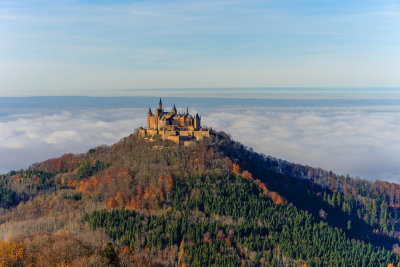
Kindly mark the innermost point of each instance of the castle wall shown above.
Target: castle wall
(186, 133)
(170, 133)
(152, 131)
(175, 139)
(153, 122)
(142, 132)
(201, 134)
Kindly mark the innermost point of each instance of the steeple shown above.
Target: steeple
(173, 111)
(160, 104)
(149, 112)
(187, 110)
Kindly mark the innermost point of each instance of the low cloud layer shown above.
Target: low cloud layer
(360, 141)
(28, 138)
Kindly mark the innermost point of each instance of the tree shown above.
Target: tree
(110, 255)
(322, 214)
(348, 225)
(236, 168)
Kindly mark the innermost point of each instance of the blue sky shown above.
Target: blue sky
(105, 47)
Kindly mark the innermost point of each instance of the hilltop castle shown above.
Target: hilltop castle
(181, 128)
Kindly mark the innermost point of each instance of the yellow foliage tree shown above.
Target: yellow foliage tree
(11, 253)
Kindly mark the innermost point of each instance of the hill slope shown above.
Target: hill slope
(155, 203)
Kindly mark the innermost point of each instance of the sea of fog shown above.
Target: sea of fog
(353, 135)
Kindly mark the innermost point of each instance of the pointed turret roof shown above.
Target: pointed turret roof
(159, 105)
(149, 112)
(187, 110)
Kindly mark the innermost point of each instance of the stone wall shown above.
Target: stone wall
(175, 139)
(152, 131)
(201, 134)
(153, 122)
(142, 133)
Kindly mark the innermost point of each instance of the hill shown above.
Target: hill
(141, 202)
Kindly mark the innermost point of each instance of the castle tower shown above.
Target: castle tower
(160, 104)
(159, 111)
(149, 115)
(173, 111)
(197, 121)
(187, 110)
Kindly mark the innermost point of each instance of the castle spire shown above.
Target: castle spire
(160, 104)
(149, 112)
(173, 111)
(187, 110)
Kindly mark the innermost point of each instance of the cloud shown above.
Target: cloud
(357, 140)
(28, 138)
(360, 141)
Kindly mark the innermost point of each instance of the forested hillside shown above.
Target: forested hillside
(154, 203)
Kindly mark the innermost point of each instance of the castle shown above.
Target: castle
(181, 128)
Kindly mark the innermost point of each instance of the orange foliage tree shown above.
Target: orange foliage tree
(115, 202)
(277, 199)
(247, 175)
(111, 203)
(89, 185)
(71, 183)
(236, 168)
